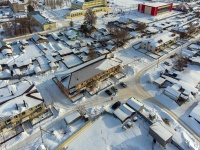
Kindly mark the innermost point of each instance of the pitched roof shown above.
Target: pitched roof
(88, 72)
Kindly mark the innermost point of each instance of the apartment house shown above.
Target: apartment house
(21, 109)
(17, 5)
(41, 21)
(86, 77)
(159, 41)
(79, 7)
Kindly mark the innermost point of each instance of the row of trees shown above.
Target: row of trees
(18, 26)
(53, 4)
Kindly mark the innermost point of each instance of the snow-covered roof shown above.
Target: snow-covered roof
(23, 41)
(120, 114)
(173, 91)
(110, 47)
(37, 69)
(90, 71)
(54, 35)
(23, 63)
(135, 104)
(52, 65)
(126, 109)
(195, 59)
(36, 37)
(156, 4)
(32, 98)
(194, 46)
(160, 81)
(195, 113)
(6, 51)
(160, 131)
(71, 33)
(164, 37)
(152, 29)
(71, 117)
(123, 20)
(65, 51)
(41, 19)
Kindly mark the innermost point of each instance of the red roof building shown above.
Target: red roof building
(155, 9)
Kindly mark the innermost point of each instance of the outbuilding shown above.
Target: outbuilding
(160, 134)
(135, 104)
(71, 118)
(172, 93)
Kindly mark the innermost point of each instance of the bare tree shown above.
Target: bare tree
(90, 17)
(92, 54)
(181, 62)
(141, 27)
(71, 23)
(120, 36)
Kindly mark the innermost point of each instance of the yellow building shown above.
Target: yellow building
(41, 21)
(79, 8)
(17, 5)
(21, 109)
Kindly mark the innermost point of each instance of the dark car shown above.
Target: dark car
(114, 89)
(166, 63)
(108, 92)
(116, 105)
(123, 84)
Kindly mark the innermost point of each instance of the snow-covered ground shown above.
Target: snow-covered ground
(189, 78)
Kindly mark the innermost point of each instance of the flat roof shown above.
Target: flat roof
(157, 4)
(161, 131)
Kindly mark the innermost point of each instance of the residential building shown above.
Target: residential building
(41, 21)
(71, 84)
(160, 134)
(17, 5)
(159, 41)
(80, 7)
(155, 9)
(39, 39)
(3, 46)
(22, 108)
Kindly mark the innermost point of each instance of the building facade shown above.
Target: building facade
(26, 107)
(86, 77)
(79, 8)
(159, 41)
(41, 21)
(17, 6)
(155, 9)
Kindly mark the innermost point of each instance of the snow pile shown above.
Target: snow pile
(148, 78)
(129, 70)
(95, 110)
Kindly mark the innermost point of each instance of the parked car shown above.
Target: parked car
(114, 89)
(123, 84)
(108, 92)
(116, 105)
(166, 63)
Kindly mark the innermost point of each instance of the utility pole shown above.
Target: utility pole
(41, 135)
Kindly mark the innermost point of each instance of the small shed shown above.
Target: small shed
(135, 104)
(122, 116)
(160, 134)
(160, 81)
(172, 93)
(127, 110)
(195, 113)
(37, 70)
(71, 118)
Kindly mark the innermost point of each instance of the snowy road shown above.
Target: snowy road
(134, 89)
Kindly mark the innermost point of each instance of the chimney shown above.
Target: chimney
(24, 103)
(17, 107)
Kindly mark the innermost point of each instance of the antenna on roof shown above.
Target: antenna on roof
(17, 107)
(24, 103)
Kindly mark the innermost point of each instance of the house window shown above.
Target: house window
(15, 117)
(23, 113)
